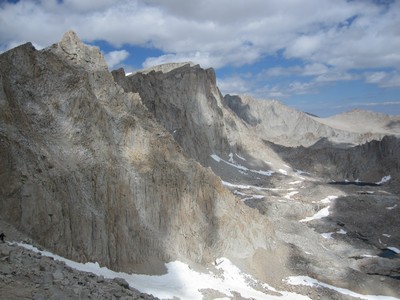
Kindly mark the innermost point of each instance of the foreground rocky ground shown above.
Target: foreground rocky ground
(28, 275)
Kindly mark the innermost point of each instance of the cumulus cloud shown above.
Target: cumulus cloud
(235, 85)
(114, 58)
(330, 38)
(384, 79)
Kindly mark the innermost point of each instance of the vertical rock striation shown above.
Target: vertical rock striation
(88, 173)
(186, 101)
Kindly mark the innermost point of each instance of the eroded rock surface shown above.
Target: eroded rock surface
(88, 173)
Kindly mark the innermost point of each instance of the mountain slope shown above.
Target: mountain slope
(275, 122)
(88, 173)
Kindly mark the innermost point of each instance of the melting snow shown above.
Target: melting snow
(384, 179)
(391, 207)
(247, 196)
(296, 182)
(323, 212)
(248, 187)
(242, 158)
(232, 163)
(308, 281)
(290, 194)
(328, 199)
(284, 172)
(394, 249)
(327, 235)
(183, 282)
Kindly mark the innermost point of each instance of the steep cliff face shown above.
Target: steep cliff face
(367, 162)
(187, 102)
(87, 172)
(275, 122)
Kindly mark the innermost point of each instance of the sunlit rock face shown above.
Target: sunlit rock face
(88, 173)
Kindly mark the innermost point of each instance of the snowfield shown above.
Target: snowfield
(184, 283)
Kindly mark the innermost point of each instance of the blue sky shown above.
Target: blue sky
(320, 56)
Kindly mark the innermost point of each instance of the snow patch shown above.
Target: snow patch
(284, 172)
(384, 179)
(249, 187)
(215, 157)
(394, 249)
(234, 164)
(248, 196)
(240, 157)
(327, 235)
(296, 182)
(183, 282)
(308, 281)
(290, 194)
(323, 213)
(328, 199)
(391, 207)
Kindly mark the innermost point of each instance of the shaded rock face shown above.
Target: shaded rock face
(368, 162)
(241, 109)
(87, 172)
(187, 102)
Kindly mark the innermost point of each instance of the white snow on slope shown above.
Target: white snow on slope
(242, 158)
(296, 182)
(391, 207)
(284, 172)
(384, 179)
(323, 213)
(183, 282)
(327, 235)
(394, 249)
(308, 281)
(328, 199)
(248, 196)
(290, 194)
(248, 187)
(240, 167)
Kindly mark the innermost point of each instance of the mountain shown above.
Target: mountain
(287, 126)
(216, 196)
(88, 173)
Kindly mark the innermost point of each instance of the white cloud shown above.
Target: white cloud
(384, 79)
(306, 70)
(234, 85)
(114, 58)
(331, 38)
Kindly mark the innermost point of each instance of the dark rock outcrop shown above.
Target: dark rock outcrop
(186, 101)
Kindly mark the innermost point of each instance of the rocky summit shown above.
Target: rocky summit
(157, 173)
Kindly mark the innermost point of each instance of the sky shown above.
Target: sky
(319, 56)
